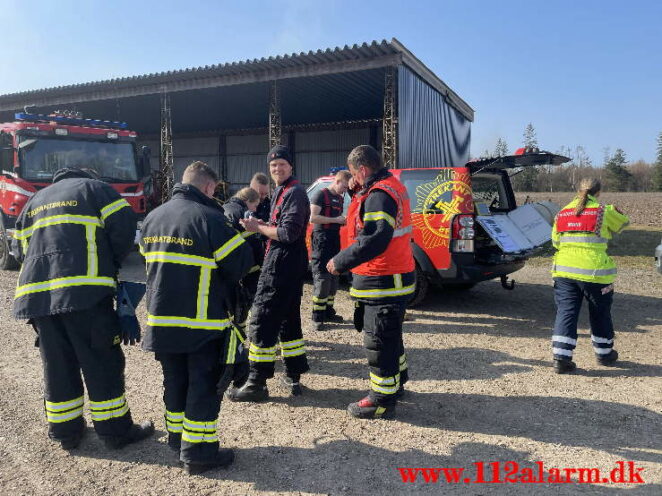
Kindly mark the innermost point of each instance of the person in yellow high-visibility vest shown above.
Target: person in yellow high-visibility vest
(583, 270)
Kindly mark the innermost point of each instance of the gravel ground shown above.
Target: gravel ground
(482, 389)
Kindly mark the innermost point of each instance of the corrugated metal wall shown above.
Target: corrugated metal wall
(318, 151)
(246, 155)
(431, 133)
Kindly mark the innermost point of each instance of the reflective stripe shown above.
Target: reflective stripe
(602, 351)
(218, 324)
(403, 362)
(174, 421)
(113, 207)
(319, 307)
(203, 293)
(375, 216)
(257, 349)
(232, 347)
(599, 340)
(257, 354)
(586, 272)
(179, 258)
(561, 351)
(57, 219)
(293, 348)
(92, 257)
(384, 381)
(247, 234)
(227, 248)
(379, 293)
(103, 405)
(397, 280)
(174, 427)
(564, 339)
(192, 425)
(101, 416)
(254, 268)
(192, 437)
(582, 239)
(319, 300)
(64, 405)
(402, 231)
(56, 418)
(293, 353)
(63, 282)
(175, 416)
(292, 344)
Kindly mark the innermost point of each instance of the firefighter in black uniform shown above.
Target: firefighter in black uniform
(192, 257)
(382, 265)
(72, 237)
(326, 208)
(243, 204)
(276, 312)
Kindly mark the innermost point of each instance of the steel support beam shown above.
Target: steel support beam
(389, 125)
(275, 124)
(167, 172)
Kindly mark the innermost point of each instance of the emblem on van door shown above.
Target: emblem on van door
(437, 202)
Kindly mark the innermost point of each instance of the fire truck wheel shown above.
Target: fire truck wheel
(7, 262)
(421, 290)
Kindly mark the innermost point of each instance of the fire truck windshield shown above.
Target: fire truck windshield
(39, 158)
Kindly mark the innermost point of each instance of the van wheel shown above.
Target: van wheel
(421, 287)
(7, 261)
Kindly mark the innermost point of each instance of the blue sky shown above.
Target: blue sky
(584, 72)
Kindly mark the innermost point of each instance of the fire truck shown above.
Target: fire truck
(34, 146)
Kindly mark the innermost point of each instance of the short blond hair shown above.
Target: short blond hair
(199, 175)
(248, 195)
(343, 175)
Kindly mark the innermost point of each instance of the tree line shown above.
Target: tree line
(616, 173)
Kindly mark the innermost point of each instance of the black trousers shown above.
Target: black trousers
(86, 340)
(325, 246)
(569, 295)
(382, 339)
(276, 316)
(191, 400)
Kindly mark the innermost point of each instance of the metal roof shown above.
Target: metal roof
(325, 63)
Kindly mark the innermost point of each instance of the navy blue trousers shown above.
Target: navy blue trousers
(569, 295)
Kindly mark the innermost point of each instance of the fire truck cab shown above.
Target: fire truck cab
(34, 146)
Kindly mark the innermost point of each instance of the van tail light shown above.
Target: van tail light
(463, 234)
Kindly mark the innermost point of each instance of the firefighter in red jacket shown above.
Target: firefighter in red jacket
(383, 279)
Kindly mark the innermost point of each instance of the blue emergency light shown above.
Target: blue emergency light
(72, 121)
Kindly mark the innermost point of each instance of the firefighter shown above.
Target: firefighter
(583, 270)
(192, 257)
(243, 204)
(382, 265)
(72, 237)
(326, 215)
(260, 183)
(276, 313)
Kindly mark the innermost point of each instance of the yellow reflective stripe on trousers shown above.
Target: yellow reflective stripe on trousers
(203, 293)
(403, 362)
(228, 247)
(174, 321)
(232, 347)
(179, 258)
(292, 348)
(113, 207)
(385, 385)
(257, 354)
(63, 411)
(375, 216)
(108, 409)
(199, 432)
(92, 256)
(57, 219)
(381, 293)
(174, 421)
(63, 282)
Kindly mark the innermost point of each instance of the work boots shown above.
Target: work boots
(609, 359)
(72, 442)
(224, 458)
(564, 366)
(332, 316)
(293, 384)
(137, 432)
(254, 390)
(366, 409)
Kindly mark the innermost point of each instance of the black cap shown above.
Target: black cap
(280, 151)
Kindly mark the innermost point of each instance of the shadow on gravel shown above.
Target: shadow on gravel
(343, 466)
(628, 431)
(528, 311)
(452, 364)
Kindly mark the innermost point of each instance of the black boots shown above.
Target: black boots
(224, 458)
(254, 390)
(609, 359)
(72, 442)
(293, 384)
(564, 366)
(137, 432)
(366, 409)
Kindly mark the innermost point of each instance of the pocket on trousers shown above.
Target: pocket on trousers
(388, 322)
(105, 326)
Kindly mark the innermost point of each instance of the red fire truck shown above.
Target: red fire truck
(34, 146)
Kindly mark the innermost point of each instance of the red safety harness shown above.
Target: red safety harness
(275, 214)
